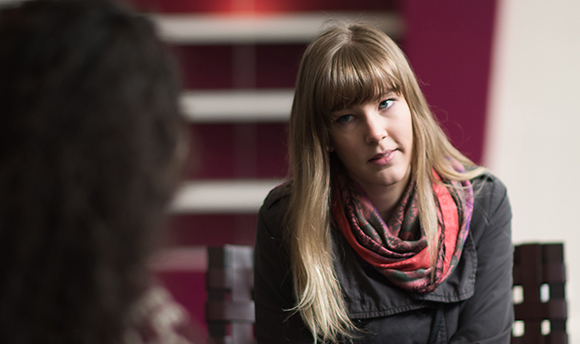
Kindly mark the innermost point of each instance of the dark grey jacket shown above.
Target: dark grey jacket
(475, 300)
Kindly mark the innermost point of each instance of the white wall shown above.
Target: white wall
(533, 134)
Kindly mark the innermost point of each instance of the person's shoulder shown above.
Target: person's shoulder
(491, 197)
(488, 184)
(276, 203)
(277, 195)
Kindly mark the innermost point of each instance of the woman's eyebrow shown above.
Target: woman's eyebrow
(387, 92)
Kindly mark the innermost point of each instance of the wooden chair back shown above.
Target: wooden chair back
(230, 305)
(539, 294)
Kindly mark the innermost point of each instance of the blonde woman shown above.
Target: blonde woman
(385, 233)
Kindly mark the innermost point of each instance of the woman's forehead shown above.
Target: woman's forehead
(347, 95)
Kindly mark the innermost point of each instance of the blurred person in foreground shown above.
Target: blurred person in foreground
(91, 150)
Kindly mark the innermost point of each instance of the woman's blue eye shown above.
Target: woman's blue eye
(344, 119)
(386, 103)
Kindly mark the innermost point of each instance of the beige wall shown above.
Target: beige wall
(533, 134)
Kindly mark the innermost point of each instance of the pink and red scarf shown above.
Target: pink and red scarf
(399, 249)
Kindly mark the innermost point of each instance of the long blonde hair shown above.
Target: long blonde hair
(346, 65)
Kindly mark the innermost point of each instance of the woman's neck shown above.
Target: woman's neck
(385, 199)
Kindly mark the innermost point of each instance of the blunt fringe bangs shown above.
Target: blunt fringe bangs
(361, 70)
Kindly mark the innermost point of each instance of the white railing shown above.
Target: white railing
(237, 105)
(262, 28)
(222, 197)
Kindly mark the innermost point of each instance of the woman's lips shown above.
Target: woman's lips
(382, 158)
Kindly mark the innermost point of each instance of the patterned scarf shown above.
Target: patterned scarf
(399, 250)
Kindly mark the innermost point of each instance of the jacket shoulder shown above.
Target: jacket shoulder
(276, 195)
(274, 208)
(490, 182)
(491, 197)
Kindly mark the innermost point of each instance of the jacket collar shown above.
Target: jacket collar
(369, 294)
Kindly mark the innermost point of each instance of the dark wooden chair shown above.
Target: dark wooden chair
(230, 306)
(539, 294)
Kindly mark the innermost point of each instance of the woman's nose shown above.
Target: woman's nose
(376, 128)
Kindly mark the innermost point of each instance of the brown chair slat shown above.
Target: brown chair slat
(554, 273)
(536, 265)
(551, 310)
(230, 311)
(557, 338)
(230, 305)
(224, 278)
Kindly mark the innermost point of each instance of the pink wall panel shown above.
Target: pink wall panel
(205, 67)
(237, 150)
(212, 229)
(183, 284)
(277, 65)
(449, 45)
(213, 67)
(211, 151)
(271, 150)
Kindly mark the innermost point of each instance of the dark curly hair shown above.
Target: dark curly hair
(91, 142)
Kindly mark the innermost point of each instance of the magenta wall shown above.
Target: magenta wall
(449, 45)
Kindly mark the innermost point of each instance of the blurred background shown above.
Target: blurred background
(502, 77)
